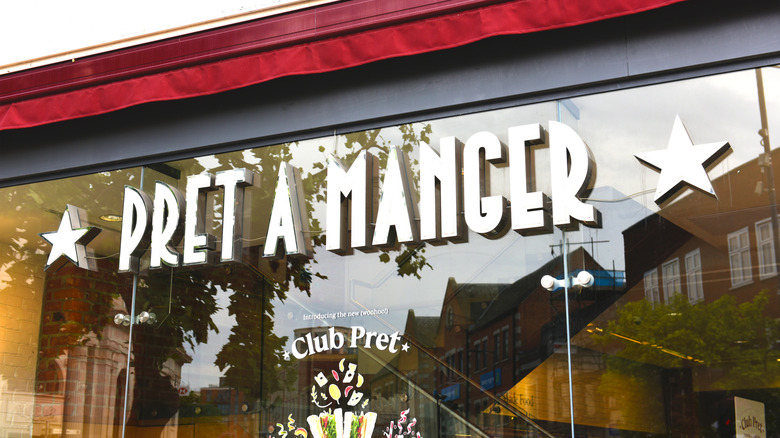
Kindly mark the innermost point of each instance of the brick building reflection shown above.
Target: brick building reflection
(488, 337)
(82, 368)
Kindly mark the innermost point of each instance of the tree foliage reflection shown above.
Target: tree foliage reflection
(251, 359)
(735, 342)
(187, 299)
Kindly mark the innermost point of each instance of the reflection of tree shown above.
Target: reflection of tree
(192, 306)
(737, 339)
(252, 353)
(74, 331)
(35, 212)
(250, 358)
(410, 259)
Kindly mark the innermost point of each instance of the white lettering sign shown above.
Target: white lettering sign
(454, 195)
(356, 337)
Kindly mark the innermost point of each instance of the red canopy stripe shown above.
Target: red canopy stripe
(315, 56)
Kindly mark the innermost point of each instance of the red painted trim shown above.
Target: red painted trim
(328, 38)
(299, 27)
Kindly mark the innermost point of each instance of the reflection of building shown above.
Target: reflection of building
(490, 336)
(229, 98)
(703, 249)
(229, 403)
(82, 369)
(703, 253)
(20, 307)
(698, 321)
(418, 366)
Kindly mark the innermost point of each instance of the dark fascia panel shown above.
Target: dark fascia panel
(676, 40)
(684, 40)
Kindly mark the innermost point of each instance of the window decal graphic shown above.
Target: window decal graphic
(683, 163)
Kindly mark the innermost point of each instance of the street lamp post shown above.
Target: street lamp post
(766, 163)
(583, 279)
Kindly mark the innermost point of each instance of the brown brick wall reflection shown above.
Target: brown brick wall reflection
(21, 283)
(83, 354)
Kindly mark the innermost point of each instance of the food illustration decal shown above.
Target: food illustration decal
(343, 386)
(344, 414)
(299, 431)
(337, 424)
(390, 432)
(359, 425)
(327, 424)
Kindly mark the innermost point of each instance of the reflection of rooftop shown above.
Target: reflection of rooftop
(474, 297)
(517, 324)
(422, 329)
(511, 296)
(742, 194)
(320, 330)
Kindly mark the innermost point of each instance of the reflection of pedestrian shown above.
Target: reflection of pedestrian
(155, 398)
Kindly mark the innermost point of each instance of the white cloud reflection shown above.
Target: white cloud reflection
(615, 125)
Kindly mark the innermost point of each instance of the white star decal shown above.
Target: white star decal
(405, 347)
(70, 240)
(683, 163)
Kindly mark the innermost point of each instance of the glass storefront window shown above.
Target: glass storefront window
(295, 335)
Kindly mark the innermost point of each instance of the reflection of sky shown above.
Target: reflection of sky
(615, 125)
(376, 285)
(201, 372)
(717, 108)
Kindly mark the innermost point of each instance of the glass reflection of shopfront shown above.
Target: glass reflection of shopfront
(312, 334)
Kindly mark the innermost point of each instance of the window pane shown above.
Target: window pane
(271, 337)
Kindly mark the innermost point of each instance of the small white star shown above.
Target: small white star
(70, 240)
(405, 347)
(683, 163)
(286, 355)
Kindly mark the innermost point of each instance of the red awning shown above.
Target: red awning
(359, 32)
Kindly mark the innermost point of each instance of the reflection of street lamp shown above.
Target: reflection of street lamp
(583, 279)
(766, 164)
